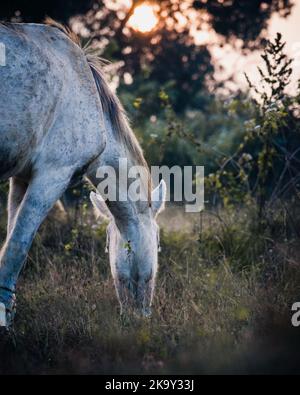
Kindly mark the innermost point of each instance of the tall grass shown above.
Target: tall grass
(223, 300)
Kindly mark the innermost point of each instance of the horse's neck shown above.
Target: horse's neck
(123, 211)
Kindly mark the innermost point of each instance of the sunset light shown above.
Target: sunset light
(143, 18)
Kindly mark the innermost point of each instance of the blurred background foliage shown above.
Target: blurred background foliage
(165, 77)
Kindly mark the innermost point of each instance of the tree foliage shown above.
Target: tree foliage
(168, 55)
(267, 163)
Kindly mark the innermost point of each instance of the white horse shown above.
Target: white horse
(59, 121)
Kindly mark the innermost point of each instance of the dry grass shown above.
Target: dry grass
(222, 304)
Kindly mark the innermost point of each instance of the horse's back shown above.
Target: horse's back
(23, 84)
(32, 68)
(45, 77)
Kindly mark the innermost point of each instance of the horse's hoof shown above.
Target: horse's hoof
(3, 320)
(6, 318)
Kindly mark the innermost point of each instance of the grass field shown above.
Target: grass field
(222, 303)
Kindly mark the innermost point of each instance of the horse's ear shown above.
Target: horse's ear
(158, 198)
(100, 206)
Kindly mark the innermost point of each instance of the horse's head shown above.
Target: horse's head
(133, 247)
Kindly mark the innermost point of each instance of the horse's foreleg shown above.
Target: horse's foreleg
(17, 190)
(42, 193)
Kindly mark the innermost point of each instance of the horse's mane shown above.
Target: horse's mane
(110, 102)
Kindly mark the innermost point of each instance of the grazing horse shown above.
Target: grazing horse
(59, 121)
